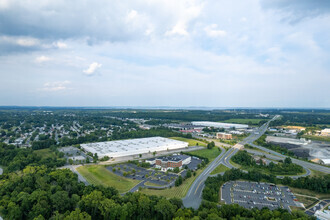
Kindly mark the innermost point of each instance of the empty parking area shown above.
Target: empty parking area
(259, 195)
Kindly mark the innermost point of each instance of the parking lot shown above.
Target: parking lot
(154, 176)
(74, 153)
(259, 195)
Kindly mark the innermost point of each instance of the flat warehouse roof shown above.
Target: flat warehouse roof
(133, 146)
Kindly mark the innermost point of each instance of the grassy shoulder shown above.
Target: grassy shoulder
(179, 191)
(307, 201)
(191, 142)
(211, 154)
(219, 169)
(316, 173)
(99, 175)
(310, 193)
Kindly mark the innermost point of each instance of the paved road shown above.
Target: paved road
(194, 196)
(274, 157)
(73, 169)
(260, 131)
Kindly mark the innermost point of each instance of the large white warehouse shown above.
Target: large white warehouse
(133, 146)
(218, 124)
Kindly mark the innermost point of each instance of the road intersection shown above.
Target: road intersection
(194, 196)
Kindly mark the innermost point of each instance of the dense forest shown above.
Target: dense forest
(43, 193)
(14, 158)
(282, 168)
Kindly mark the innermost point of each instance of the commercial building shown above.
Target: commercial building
(219, 125)
(224, 136)
(170, 162)
(322, 215)
(133, 146)
(325, 132)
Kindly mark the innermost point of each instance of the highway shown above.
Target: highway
(194, 196)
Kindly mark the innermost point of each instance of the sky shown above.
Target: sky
(180, 53)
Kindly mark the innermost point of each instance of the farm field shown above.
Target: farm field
(99, 175)
(191, 142)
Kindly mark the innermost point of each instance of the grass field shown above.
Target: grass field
(211, 154)
(306, 200)
(99, 175)
(151, 184)
(191, 142)
(317, 173)
(252, 121)
(45, 153)
(310, 193)
(178, 192)
(219, 169)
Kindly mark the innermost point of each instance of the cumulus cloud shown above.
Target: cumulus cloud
(213, 31)
(42, 59)
(56, 86)
(92, 68)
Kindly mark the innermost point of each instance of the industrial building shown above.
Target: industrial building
(219, 125)
(225, 136)
(170, 162)
(133, 146)
(325, 132)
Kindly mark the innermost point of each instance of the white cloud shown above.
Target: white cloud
(21, 41)
(92, 68)
(42, 59)
(60, 45)
(56, 86)
(27, 42)
(131, 15)
(212, 31)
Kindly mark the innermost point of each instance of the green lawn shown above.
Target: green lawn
(178, 192)
(211, 154)
(151, 184)
(219, 169)
(191, 142)
(99, 175)
(253, 121)
(45, 153)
